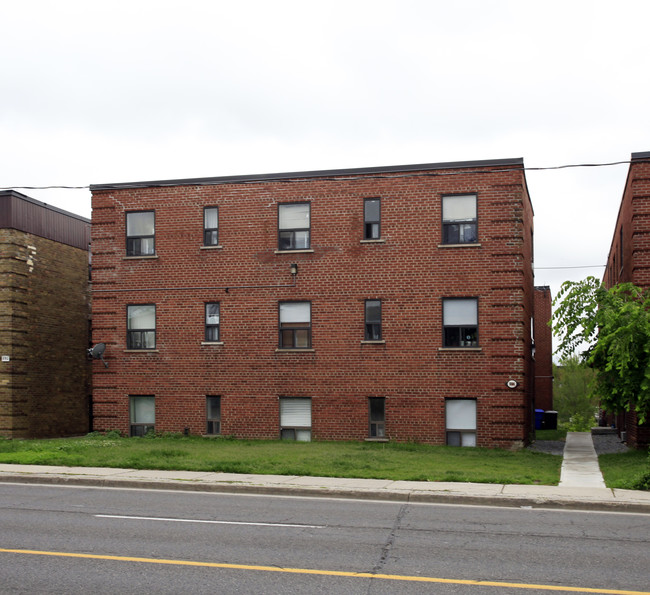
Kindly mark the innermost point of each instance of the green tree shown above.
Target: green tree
(614, 327)
(573, 394)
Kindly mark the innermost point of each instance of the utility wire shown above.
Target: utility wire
(587, 266)
(348, 178)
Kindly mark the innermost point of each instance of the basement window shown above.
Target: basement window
(460, 422)
(295, 419)
(142, 412)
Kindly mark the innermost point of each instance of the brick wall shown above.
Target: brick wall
(410, 271)
(44, 311)
(543, 350)
(629, 262)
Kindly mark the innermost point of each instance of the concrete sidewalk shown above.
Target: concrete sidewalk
(580, 464)
(577, 492)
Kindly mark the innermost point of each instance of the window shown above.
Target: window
(460, 422)
(377, 410)
(142, 412)
(373, 320)
(293, 226)
(460, 321)
(295, 419)
(211, 226)
(371, 218)
(140, 234)
(295, 325)
(141, 326)
(213, 412)
(620, 248)
(212, 322)
(459, 219)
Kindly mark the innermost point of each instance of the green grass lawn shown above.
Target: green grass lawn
(559, 434)
(395, 461)
(625, 470)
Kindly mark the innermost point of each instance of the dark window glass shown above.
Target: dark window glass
(373, 320)
(211, 226)
(372, 218)
(377, 408)
(212, 324)
(213, 411)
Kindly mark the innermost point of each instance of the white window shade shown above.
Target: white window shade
(140, 224)
(212, 313)
(211, 218)
(461, 312)
(295, 413)
(143, 410)
(460, 414)
(142, 317)
(295, 312)
(459, 208)
(295, 216)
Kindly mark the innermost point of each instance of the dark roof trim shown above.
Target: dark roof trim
(644, 155)
(509, 163)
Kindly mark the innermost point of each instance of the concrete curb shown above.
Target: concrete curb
(628, 503)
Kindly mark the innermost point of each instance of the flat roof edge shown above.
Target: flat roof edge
(314, 174)
(643, 155)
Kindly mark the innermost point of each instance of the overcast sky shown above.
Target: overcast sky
(96, 92)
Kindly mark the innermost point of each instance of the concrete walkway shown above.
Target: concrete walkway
(580, 488)
(580, 464)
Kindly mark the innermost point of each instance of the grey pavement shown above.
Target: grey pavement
(580, 463)
(581, 485)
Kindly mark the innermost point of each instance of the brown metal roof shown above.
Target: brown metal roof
(21, 212)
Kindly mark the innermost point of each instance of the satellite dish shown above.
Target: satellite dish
(512, 384)
(97, 352)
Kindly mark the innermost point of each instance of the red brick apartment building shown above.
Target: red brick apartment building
(358, 304)
(629, 261)
(44, 320)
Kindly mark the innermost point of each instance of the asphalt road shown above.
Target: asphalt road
(70, 540)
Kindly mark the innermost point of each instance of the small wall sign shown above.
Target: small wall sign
(5, 358)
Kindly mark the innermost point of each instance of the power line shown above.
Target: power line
(586, 266)
(366, 176)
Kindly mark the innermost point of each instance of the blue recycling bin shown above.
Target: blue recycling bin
(539, 419)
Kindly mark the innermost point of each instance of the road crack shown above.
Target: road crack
(390, 540)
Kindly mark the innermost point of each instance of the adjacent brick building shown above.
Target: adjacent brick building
(377, 303)
(543, 337)
(44, 319)
(629, 261)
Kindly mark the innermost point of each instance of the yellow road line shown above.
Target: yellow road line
(392, 577)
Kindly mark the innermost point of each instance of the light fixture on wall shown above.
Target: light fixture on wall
(293, 268)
